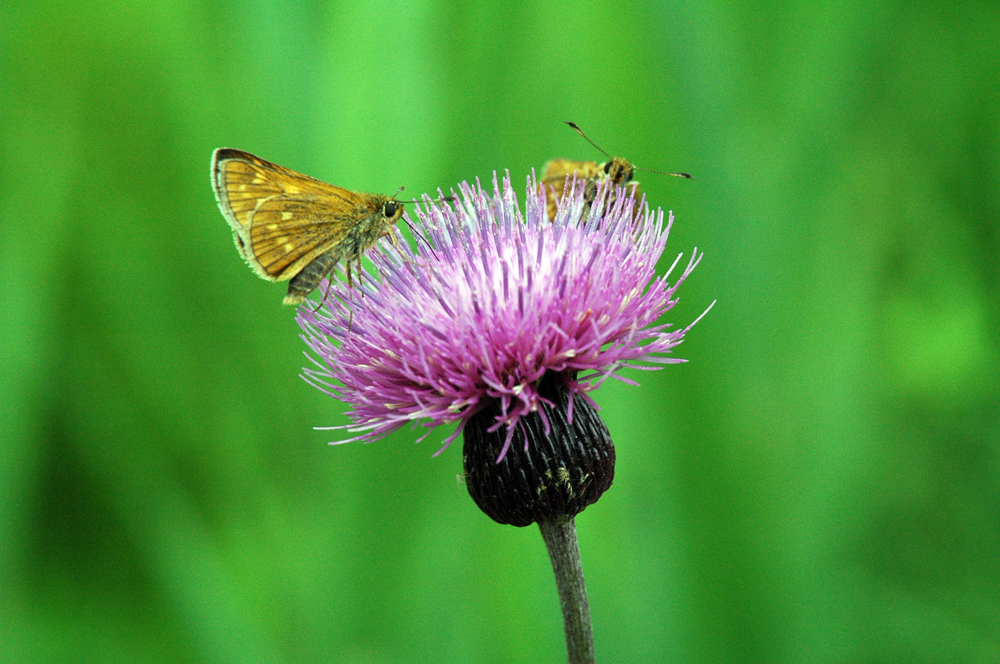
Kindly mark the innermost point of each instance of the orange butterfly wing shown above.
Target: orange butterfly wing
(281, 219)
(554, 175)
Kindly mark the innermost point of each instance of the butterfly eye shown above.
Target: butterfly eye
(607, 167)
(390, 209)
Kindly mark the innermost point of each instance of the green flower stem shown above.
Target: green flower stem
(560, 540)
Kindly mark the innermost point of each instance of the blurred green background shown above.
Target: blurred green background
(821, 483)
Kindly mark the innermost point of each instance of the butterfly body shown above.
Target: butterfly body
(616, 169)
(291, 227)
(555, 172)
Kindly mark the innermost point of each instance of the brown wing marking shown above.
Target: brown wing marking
(560, 168)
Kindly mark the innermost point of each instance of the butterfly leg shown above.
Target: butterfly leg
(326, 291)
(395, 243)
(589, 196)
(350, 290)
(360, 290)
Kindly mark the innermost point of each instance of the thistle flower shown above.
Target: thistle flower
(505, 311)
(504, 327)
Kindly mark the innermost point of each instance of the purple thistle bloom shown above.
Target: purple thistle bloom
(502, 300)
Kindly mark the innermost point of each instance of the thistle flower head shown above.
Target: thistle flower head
(502, 300)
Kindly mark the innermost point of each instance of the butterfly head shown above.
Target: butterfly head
(392, 210)
(618, 171)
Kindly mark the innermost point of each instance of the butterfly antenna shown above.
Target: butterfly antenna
(580, 131)
(350, 295)
(645, 170)
(443, 199)
(676, 175)
(440, 199)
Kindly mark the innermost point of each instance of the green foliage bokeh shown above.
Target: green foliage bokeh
(821, 483)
